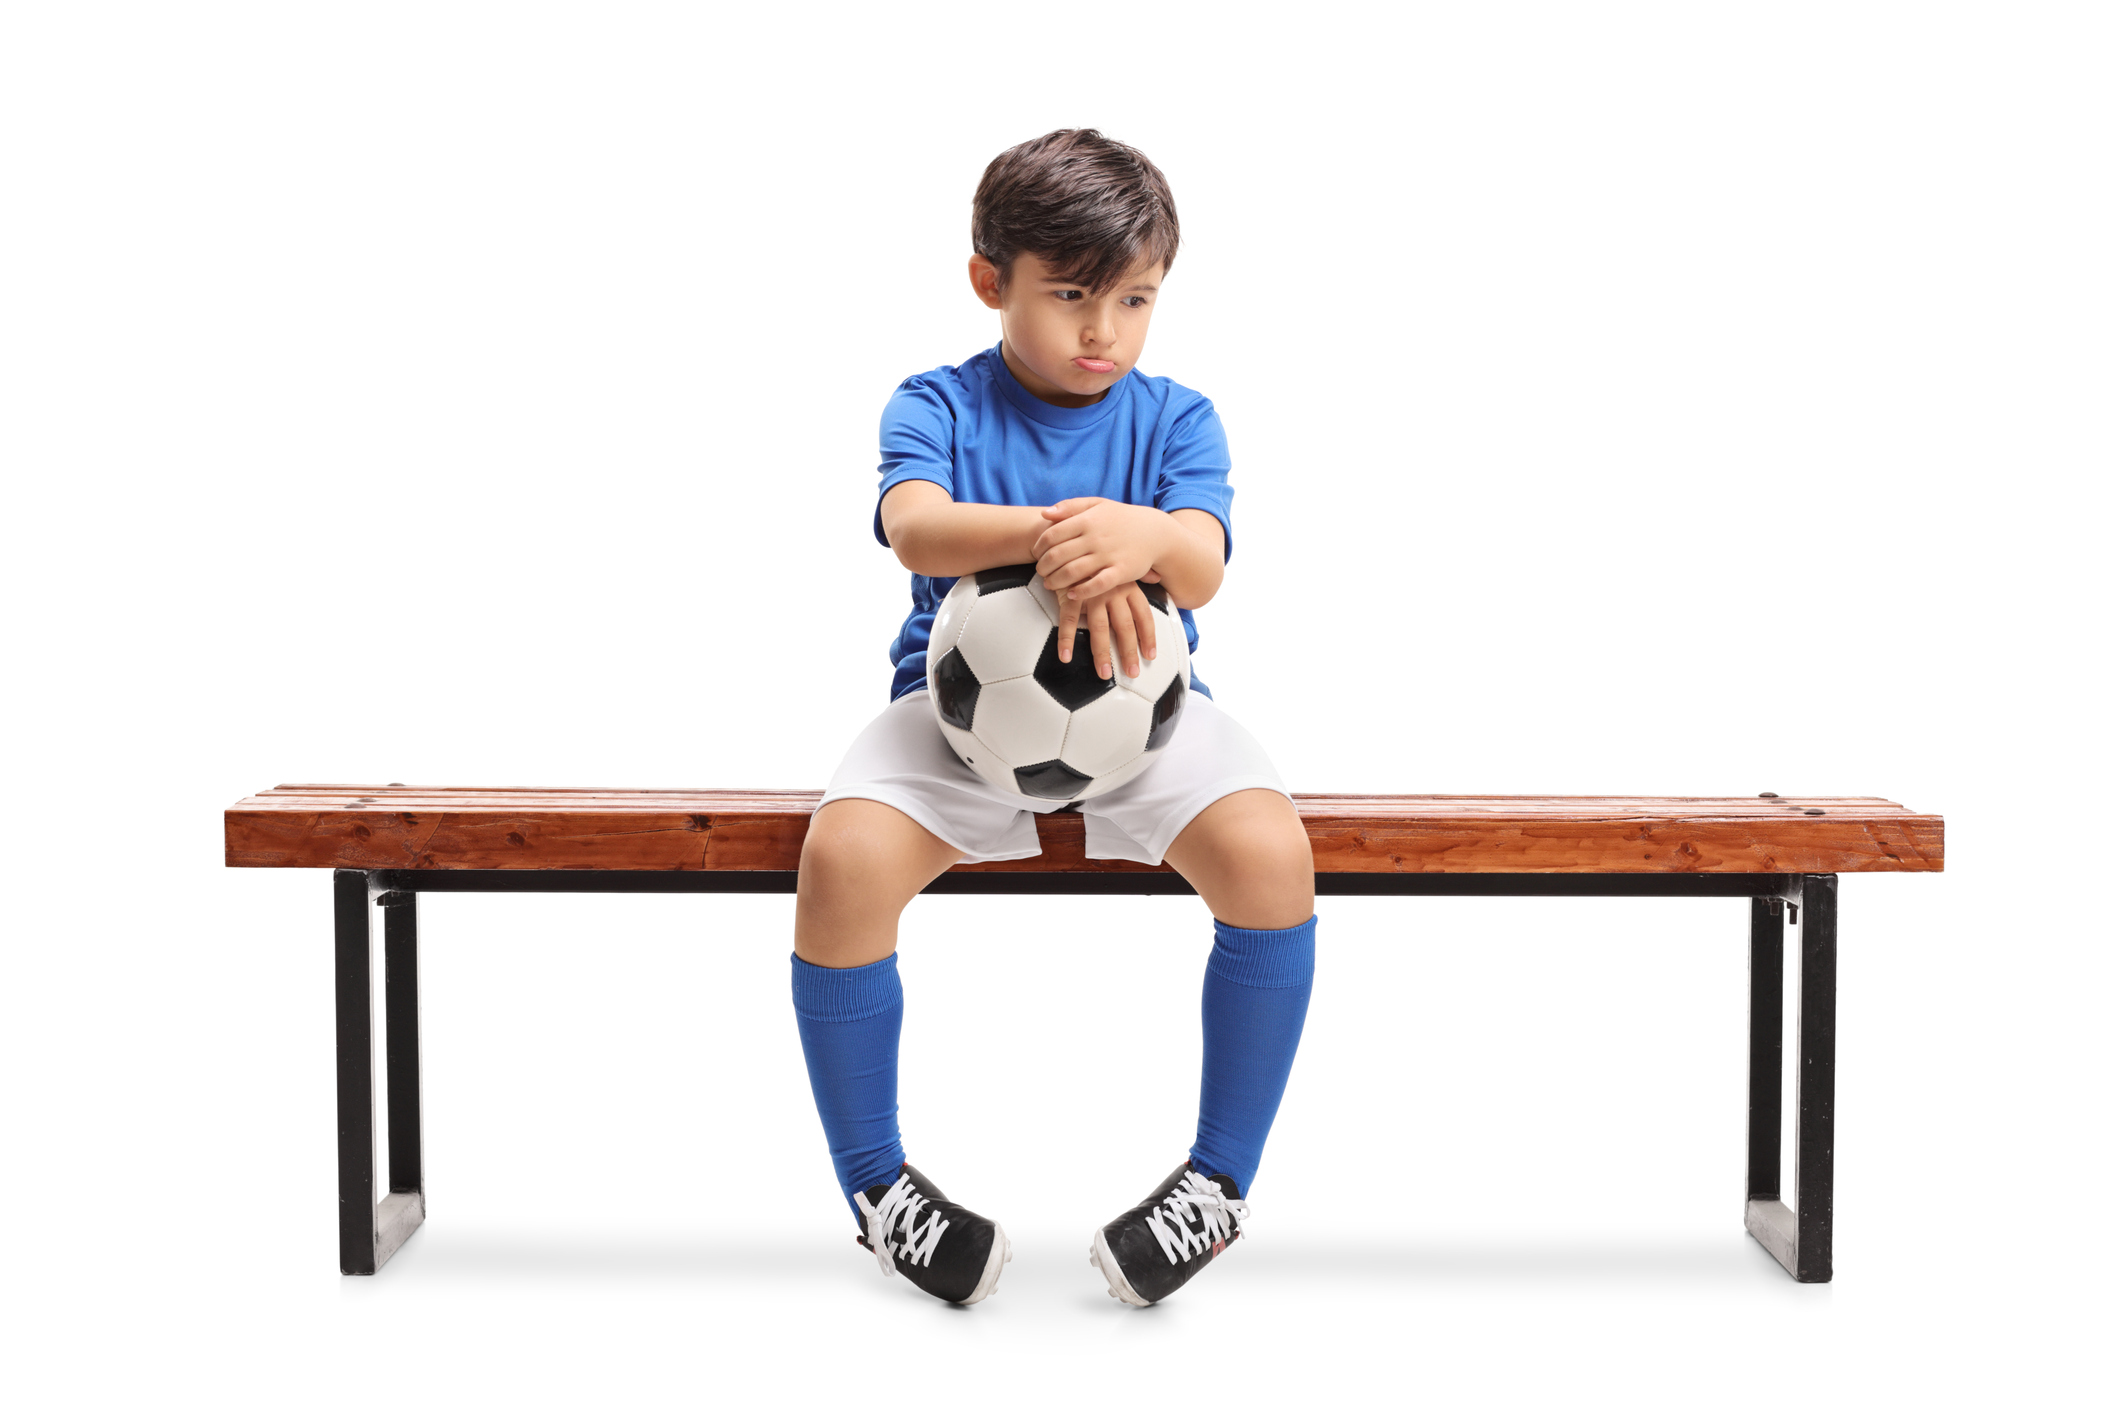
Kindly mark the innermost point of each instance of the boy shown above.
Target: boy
(1051, 449)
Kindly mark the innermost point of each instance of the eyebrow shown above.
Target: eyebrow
(1085, 284)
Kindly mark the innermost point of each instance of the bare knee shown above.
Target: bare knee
(839, 856)
(1275, 872)
(1249, 858)
(862, 863)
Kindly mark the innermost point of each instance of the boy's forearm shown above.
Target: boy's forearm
(936, 536)
(1190, 567)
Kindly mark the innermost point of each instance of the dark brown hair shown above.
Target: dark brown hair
(1088, 206)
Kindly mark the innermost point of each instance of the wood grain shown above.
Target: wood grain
(454, 827)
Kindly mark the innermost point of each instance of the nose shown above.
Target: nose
(1098, 329)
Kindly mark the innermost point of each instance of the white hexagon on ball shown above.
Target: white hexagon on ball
(1047, 600)
(1020, 722)
(1003, 635)
(1120, 777)
(1170, 659)
(949, 621)
(1107, 734)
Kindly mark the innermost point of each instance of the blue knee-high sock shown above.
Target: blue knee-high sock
(849, 1021)
(1251, 1017)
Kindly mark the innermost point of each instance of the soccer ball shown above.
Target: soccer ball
(1026, 721)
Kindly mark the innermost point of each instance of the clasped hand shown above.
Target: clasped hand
(1091, 557)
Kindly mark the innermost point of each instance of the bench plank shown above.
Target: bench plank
(443, 827)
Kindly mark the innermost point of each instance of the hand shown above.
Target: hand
(1120, 619)
(1094, 546)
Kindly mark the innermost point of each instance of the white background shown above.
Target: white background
(1625, 398)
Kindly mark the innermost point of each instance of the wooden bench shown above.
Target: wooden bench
(387, 845)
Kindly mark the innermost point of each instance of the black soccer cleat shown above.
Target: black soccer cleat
(944, 1249)
(1148, 1252)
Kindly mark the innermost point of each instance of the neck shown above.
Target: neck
(1039, 388)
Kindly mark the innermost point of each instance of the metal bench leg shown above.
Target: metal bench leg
(406, 1207)
(1803, 1241)
(370, 1231)
(1763, 1074)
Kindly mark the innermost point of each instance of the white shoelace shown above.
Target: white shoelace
(1219, 1218)
(901, 1209)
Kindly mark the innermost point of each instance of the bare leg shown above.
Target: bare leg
(1249, 859)
(863, 861)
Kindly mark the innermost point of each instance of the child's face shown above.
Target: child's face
(1063, 343)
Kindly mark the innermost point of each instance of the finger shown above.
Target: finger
(1052, 547)
(1152, 577)
(1070, 612)
(1061, 510)
(1144, 623)
(1125, 636)
(1061, 531)
(1100, 638)
(1089, 585)
(1071, 575)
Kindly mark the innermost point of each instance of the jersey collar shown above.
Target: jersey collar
(1045, 413)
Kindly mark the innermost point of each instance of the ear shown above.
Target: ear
(986, 281)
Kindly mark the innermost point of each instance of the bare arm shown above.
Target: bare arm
(1192, 573)
(1096, 555)
(1094, 546)
(934, 535)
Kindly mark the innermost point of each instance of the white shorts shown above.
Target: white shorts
(902, 760)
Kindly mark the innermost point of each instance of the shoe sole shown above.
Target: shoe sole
(1101, 1258)
(989, 1279)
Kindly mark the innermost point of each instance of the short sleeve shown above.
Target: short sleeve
(1195, 471)
(916, 438)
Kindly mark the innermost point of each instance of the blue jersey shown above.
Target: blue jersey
(980, 435)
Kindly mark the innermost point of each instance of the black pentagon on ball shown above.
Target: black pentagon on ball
(1006, 577)
(1072, 683)
(956, 690)
(1075, 683)
(1154, 593)
(1050, 780)
(1163, 716)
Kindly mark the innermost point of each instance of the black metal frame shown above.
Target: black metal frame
(369, 1231)
(1801, 1239)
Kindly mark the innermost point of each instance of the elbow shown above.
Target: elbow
(1193, 596)
(907, 543)
(933, 569)
(919, 558)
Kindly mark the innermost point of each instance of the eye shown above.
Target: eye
(1070, 295)
(1135, 301)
